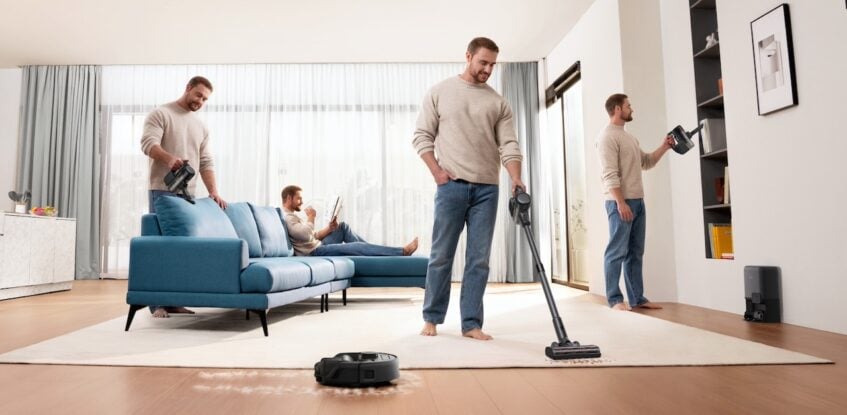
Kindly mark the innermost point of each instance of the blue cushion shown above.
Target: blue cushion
(390, 265)
(344, 267)
(204, 218)
(150, 225)
(272, 233)
(267, 275)
(322, 270)
(245, 226)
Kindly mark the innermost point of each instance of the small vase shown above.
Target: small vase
(19, 208)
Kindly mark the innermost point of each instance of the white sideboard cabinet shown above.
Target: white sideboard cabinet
(37, 254)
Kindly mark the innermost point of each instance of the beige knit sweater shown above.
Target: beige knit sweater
(621, 162)
(470, 128)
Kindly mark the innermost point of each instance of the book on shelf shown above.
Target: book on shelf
(726, 185)
(719, 181)
(720, 240)
(713, 134)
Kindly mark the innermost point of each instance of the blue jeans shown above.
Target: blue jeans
(626, 248)
(344, 242)
(459, 203)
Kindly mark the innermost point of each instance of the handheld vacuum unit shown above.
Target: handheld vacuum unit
(682, 140)
(177, 181)
(564, 348)
(362, 369)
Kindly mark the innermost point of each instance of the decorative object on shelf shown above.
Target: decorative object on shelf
(720, 86)
(773, 58)
(43, 211)
(20, 199)
(719, 189)
(711, 40)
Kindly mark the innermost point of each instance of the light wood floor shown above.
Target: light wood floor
(54, 389)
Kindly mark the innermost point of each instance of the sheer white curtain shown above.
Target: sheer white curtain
(332, 129)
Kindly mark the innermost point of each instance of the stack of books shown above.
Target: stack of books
(720, 241)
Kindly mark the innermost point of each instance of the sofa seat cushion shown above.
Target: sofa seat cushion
(344, 267)
(268, 275)
(322, 270)
(272, 232)
(245, 226)
(394, 266)
(203, 218)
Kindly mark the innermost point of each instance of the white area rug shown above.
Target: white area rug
(517, 317)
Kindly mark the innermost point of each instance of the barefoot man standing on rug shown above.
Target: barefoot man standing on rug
(464, 131)
(621, 162)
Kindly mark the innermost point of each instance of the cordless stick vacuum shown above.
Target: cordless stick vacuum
(564, 348)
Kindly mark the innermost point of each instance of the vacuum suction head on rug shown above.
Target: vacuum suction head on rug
(361, 369)
(519, 206)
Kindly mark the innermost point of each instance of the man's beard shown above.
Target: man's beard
(481, 77)
(628, 118)
(194, 106)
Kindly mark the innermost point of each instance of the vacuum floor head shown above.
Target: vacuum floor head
(572, 350)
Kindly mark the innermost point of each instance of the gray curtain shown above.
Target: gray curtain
(59, 151)
(520, 89)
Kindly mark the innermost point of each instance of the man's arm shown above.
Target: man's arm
(657, 154)
(623, 209)
(440, 175)
(208, 177)
(168, 159)
(514, 169)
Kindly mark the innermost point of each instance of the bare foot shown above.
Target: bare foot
(411, 247)
(477, 334)
(620, 306)
(160, 313)
(429, 329)
(178, 310)
(650, 306)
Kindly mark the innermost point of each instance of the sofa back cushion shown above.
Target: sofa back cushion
(272, 232)
(242, 220)
(203, 219)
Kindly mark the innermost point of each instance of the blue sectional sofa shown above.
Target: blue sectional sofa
(197, 255)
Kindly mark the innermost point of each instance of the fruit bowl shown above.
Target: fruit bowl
(43, 211)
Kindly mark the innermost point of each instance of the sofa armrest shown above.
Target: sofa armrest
(186, 264)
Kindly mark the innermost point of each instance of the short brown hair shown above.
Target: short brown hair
(613, 101)
(482, 42)
(290, 191)
(199, 80)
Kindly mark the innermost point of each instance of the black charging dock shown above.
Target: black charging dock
(362, 369)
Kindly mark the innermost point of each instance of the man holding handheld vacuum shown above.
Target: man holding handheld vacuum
(172, 136)
(621, 162)
(469, 126)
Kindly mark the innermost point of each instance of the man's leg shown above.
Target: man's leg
(357, 249)
(616, 251)
(159, 311)
(634, 261)
(342, 234)
(481, 218)
(451, 204)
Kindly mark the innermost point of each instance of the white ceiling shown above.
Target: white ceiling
(65, 32)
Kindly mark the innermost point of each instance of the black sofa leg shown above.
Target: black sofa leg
(263, 316)
(344, 296)
(132, 309)
(326, 303)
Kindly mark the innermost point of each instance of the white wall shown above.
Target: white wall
(609, 41)
(787, 170)
(10, 92)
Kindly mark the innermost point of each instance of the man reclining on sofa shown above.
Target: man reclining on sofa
(336, 239)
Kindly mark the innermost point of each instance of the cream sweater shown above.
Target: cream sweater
(302, 233)
(470, 128)
(180, 133)
(621, 162)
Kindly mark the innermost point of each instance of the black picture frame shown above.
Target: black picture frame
(773, 60)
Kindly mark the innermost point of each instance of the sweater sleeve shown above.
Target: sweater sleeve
(507, 141)
(206, 160)
(426, 128)
(154, 129)
(609, 165)
(298, 230)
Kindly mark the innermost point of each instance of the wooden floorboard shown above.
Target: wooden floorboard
(777, 389)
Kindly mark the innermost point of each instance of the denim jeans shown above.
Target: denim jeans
(459, 203)
(626, 248)
(342, 234)
(344, 242)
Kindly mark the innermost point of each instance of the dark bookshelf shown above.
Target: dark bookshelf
(710, 104)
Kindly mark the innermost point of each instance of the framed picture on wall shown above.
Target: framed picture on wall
(773, 57)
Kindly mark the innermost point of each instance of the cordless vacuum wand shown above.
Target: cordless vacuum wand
(564, 348)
